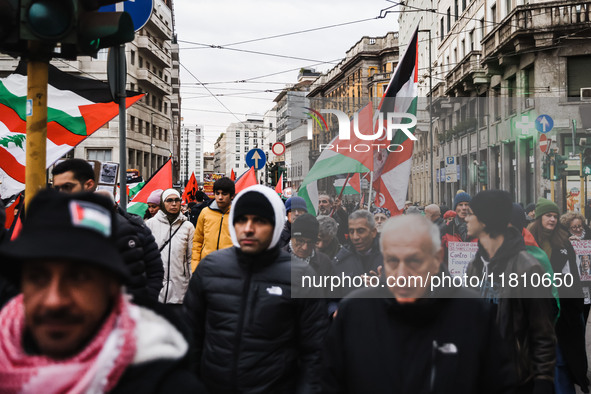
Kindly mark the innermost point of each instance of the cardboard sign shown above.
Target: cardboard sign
(459, 255)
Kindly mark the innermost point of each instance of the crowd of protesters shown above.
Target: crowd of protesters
(202, 298)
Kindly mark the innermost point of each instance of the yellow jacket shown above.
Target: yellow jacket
(211, 233)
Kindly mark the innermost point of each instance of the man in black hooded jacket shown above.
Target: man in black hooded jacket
(249, 334)
(525, 314)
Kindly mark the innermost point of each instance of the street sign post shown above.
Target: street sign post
(139, 10)
(544, 123)
(256, 158)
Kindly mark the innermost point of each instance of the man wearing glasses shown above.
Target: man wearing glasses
(134, 240)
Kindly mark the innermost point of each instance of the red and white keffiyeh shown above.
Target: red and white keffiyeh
(96, 369)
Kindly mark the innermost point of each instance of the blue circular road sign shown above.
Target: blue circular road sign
(139, 10)
(544, 123)
(256, 158)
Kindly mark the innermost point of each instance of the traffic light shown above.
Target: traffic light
(76, 24)
(98, 30)
(560, 167)
(546, 167)
(482, 174)
(9, 27)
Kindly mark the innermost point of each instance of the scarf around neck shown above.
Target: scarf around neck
(95, 369)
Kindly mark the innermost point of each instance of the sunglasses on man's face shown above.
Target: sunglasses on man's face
(173, 200)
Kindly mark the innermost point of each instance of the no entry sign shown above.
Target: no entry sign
(544, 143)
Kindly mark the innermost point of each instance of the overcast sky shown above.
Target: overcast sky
(226, 23)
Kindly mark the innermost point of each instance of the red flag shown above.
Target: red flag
(279, 186)
(247, 179)
(162, 179)
(355, 182)
(233, 175)
(10, 212)
(190, 190)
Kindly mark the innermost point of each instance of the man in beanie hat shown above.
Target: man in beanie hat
(294, 206)
(304, 236)
(530, 212)
(73, 329)
(455, 230)
(174, 235)
(135, 241)
(212, 231)
(247, 324)
(524, 313)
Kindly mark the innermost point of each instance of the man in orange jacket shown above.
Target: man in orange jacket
(212, 232)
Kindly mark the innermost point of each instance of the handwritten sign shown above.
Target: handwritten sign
(460, 254)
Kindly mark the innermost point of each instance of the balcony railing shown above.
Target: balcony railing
(147, 45)
(549, 17)
(464, 70)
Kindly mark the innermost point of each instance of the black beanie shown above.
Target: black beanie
(518, 219)
(493, 208)
(305, 226)
(254, 203)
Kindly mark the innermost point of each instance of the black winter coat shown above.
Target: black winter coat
(250, 335)
(435, 345)
(140, 252)
(350, 263)
(525, 315)
(570, 327)
(285, 235)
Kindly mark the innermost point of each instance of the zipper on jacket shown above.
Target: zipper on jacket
(168, 270)
(433, 367)
(253, 302)
(240, 327)
(220, 232)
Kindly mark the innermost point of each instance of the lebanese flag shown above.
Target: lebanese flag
(162, 179)
(77, 107)
(190, 190)
(392, 170)
(279, 186)
(245, 180)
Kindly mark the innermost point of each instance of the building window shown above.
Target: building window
(463, 5)
(496, 102)
(237, 149)
(509, 6)
(442, 28)
(448, 19)
(246, 149)
(578, 75)
(493, 14)
(237, 165)
(471, 38)
(132, 58)
(511, 90)
(237, 157)
(529, 82)
(140, 61)
(237, 135)
(456, 10)
(98, 154)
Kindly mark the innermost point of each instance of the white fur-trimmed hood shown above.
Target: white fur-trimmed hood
(278, 211)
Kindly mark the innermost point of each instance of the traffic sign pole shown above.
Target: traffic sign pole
(35, 164)
(552, 179)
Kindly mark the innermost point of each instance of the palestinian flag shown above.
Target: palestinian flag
(162, 179)
(279, 186)
(77, 107)
(392, 170)
(340, 157)
(245, 180)
(353, 185)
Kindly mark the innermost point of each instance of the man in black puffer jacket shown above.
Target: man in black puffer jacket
(134, 240)
(249, 334)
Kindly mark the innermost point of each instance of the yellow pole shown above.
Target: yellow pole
(552, 178)
(37, 75)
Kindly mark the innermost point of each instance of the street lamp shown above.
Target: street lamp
(431, 183)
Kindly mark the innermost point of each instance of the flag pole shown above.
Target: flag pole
(369, 200)
(341, 193)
